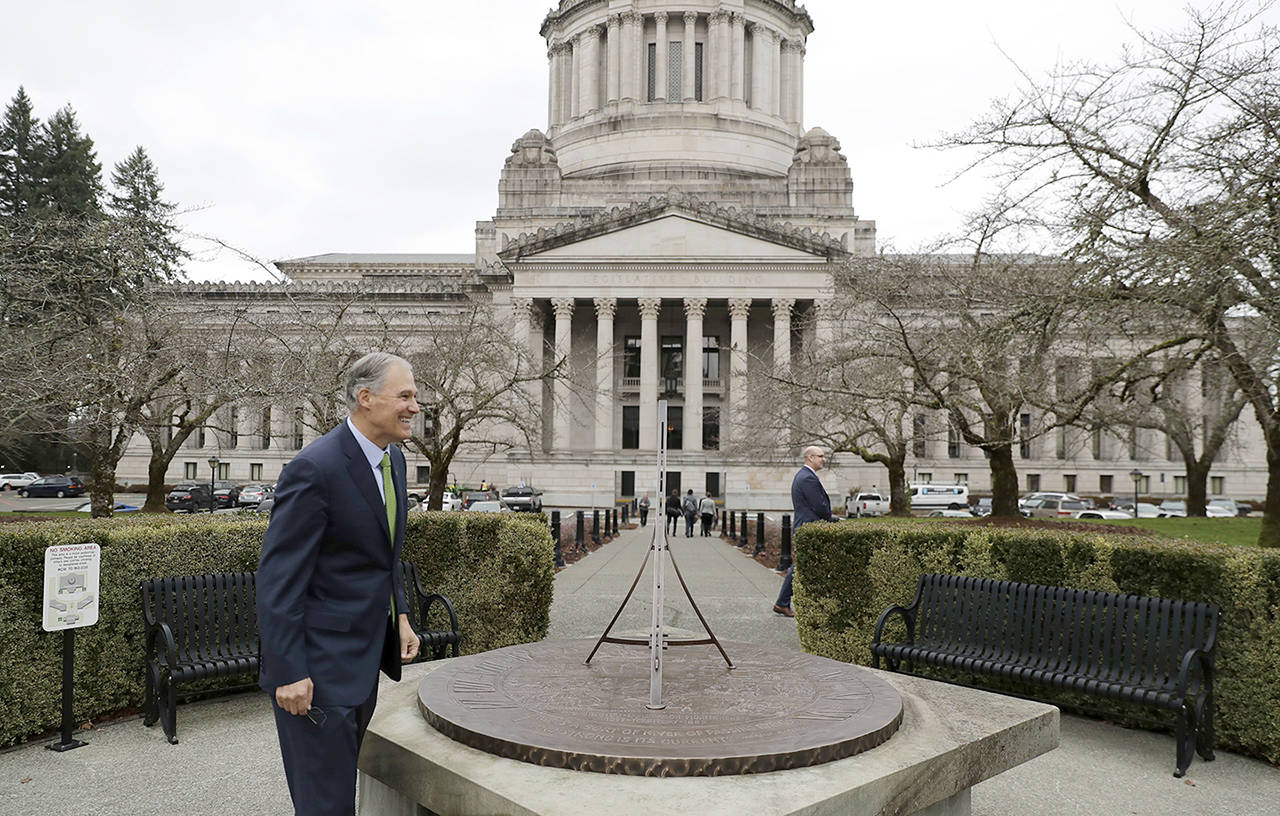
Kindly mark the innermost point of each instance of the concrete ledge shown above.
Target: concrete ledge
(951, 738)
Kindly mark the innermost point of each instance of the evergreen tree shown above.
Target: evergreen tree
(22, 157)
(136, 199)
(72, 174)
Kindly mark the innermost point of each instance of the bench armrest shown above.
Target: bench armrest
(908, 615)
(1191, 660)
(425, 601)
(162, 632)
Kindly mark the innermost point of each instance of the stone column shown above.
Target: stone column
(605, 308)
(613, 76)
(782, 334)
(823, 322)
(799, 73)
(660, 62)
(687, 81)
(775, 73)
(761, 84)
(694, 309)
(566, 82)
(649, 308)
(538, 362)
(575, 79)
(738, 311)
(522, 314)
(738, 47)
(632, 55)
(718, 63)
(790, 81)
(560, 393)
(590, 67)
(553, 92)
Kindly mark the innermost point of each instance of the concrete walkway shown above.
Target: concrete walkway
(228, 762)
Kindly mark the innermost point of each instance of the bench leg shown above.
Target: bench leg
(168, 705)
(1185, 737)
(1204, 734)
(150, 707)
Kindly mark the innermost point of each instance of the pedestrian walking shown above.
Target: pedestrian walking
(809, 502)
(689, 506)
(673, 512)
(644, 509)
(707, 509)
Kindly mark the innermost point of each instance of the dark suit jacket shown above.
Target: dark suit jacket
(809, 499)
(327, 573)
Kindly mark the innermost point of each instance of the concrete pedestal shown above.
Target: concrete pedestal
(951, 738)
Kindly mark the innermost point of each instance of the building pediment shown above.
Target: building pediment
(673, 229)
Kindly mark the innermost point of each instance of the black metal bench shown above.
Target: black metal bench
(206, 626)
(1149, 651)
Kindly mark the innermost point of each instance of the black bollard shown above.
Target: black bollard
(743, 530)
(733, 524)
(555, 537)
(759, 534)
(784, 560)
(579, 536)
(615, 522)
(595, 527)
(626, 513)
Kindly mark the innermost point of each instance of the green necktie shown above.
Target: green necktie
(389, 493)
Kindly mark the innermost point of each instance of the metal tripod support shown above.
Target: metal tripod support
(657, 641)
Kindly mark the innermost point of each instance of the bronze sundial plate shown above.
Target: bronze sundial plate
(777, 709)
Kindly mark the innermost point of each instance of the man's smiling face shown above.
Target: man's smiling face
(389, 413)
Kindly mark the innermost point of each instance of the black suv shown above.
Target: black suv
(227, 493)
(53, 486)
(523, 498)
(190, 496)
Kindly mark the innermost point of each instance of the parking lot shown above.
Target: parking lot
(11, 502)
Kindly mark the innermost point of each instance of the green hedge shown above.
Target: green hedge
(497, 571)
(848, 573)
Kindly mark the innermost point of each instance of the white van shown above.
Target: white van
(939, 497)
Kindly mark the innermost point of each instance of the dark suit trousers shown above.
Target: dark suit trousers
(320, 760)
(784, 595)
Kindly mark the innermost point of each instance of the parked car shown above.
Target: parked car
(981, 508)
(866, 504)
(1047, 494)
(1054, 508)
(13, 481)
(488, 506)
(939, 497)
(450, 501)
(470, 497)
(949, 514)
(227, 493)
(120, 507)
(1169, 508)
(522, 497)
(1100, 513)
(1232, 506)
(1145, 510)
(264, 506)
(252, 494)
(53, 486)
(189, 496)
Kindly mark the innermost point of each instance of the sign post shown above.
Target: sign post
(71, 585)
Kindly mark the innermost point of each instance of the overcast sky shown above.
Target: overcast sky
(298, 127)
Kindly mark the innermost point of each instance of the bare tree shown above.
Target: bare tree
(1162, 172)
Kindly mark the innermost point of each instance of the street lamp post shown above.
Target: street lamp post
(1136, 475)
(213, 474)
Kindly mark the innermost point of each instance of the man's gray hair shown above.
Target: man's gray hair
(370, 372)
(810, 449)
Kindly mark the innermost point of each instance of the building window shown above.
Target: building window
(1069, 482)
(297, 429)
(255, 471)
(672, 361)
(233, 432)
(711, 429)
(675, 70)
(628, 482)
(653, 71)
(224, 470)
(264, 436)
(1061, 451)
(1106, 484)
(1095, 442)
(630, 427)
(1024, 436)
(1217, 485)
(697, 71)
(631, 357)
(713, 484)
(924, 478)
(961, 478)
(1033, 482)
(1170, 453)
(953, 441)
(675, 427)
(200, 440)
(711, 357)
(191, 469)
(919, 444)
(1180, 485)
(748, 66)
(423, 474)
(1133, 443)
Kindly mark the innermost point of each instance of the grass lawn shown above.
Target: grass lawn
(1242, 531)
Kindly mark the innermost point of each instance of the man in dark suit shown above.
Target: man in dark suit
(809, 502)
(331, 599)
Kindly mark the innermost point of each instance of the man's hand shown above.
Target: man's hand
(296, 697)
(409, 643)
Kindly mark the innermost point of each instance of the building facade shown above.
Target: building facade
(674, 225)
